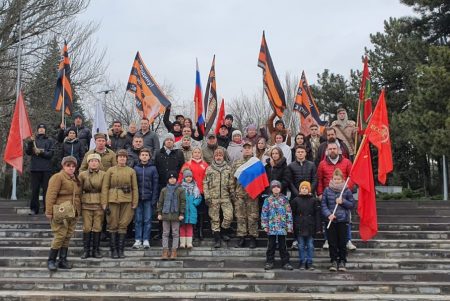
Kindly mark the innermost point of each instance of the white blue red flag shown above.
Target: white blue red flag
(252, 176)
(198, 102)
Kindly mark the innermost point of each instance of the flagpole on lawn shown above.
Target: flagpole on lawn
(19, 62)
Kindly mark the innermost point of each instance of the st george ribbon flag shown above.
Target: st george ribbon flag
(198, 102)
(149, 98)
(272, 86)
(377, 133)
(252, 176)
(99, 125)
(63, 91)
(306, 107)
(210, 98)
(20, 130)
(362, 174)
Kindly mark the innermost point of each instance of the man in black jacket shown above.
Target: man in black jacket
(83, 133)
(40, 148)
(301, 170)
(117, 137)
(331, 137)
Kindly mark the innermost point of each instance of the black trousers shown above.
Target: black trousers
(337, 240)
(270, 254)
(39, 179)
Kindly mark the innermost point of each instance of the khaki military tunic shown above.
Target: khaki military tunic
(92, 200)
(108, 159)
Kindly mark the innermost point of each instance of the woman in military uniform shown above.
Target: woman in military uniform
(63, 186)
(121, 190)
(92, 205)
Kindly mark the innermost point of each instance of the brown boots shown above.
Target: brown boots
(167, 255)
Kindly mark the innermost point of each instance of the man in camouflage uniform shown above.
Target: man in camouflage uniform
(246, 209)
(217, 188)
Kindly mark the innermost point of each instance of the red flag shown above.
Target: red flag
(362, 174)
(365, 99)
(20, 130)
(221, 118)
(377, 133)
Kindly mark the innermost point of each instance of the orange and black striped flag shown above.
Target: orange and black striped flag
(150, 99)
(211, 98)
(272, 85)
(63, 89)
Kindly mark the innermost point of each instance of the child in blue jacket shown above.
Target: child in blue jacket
(276, 220)
(147, 178)
(337, 233)
(193, 199)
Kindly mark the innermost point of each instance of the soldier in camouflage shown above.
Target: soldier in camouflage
(246, 209)
(217, 186)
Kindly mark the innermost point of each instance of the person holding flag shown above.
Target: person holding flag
(83, 134)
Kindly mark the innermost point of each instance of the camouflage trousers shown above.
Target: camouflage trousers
(214, 213)
(63, 232)
(246, 211)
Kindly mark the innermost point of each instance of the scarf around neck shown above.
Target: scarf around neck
(336, 187)
(191, 188)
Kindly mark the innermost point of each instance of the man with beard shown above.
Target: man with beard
(210, 147)
(331, 137)
(346, 131)
(117, 137)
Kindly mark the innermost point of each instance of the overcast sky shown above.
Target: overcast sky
(301, 35)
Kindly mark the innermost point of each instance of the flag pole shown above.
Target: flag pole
(358, 120)
(340, 196)
(63, 96)
(19, 62)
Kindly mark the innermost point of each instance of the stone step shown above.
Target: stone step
(237, 252)
(235, 285)
(368, 295)
(260, 242)
(321, 260)
(321, 274)
(47, 233)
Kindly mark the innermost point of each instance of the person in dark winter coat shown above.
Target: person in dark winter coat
(117, 137)
(83, 133)
(168, 159)
(307, 222)
(151, 140)
(301, 170)
(276, 169)
(73, 147)
(40, 148)
(301, 140)
(331, 137)
(193, 200)
(223, 138)
(132, 130)
(147, 180)
(337, 233)
(133, 151)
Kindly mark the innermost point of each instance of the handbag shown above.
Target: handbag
(64, 211)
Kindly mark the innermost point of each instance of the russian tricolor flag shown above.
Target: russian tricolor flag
(198, 102)
(252, 176)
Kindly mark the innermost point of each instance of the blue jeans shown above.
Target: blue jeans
(306, 249)
(143, 220)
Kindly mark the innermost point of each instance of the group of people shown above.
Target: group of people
(190, 178)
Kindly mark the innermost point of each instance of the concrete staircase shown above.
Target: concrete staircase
(409, 260)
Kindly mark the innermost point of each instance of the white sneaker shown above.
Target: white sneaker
(146, 244)
(295, 245)
(325, 245)
(350, 246)
(137, 244)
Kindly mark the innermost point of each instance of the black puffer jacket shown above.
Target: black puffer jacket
(43, 161)
(277, 172)
(118, 141)
(83, 134)
(73, 148)
(298, 172)
(306, 213)
(168, 162)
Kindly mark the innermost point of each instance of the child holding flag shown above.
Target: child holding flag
(337, 233)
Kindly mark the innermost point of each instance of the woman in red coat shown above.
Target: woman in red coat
(198, 167)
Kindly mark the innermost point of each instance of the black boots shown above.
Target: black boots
(217, 242)
(225, 234)
(121, 245)
(199, 226)
(252, 244)
(240, 243)
(86, 245)
(96, 245)
(51, 263)
(113, 245)
(63, 263)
